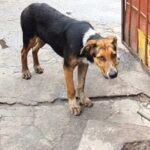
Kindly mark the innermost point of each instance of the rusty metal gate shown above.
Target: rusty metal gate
(136, 28)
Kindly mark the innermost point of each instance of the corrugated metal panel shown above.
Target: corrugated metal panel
(136, 28)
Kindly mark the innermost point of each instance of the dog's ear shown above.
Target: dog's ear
(89, 48)
(113, 40)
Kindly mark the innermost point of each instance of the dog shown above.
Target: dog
(76, 41)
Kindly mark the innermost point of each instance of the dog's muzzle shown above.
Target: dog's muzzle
(112, 73)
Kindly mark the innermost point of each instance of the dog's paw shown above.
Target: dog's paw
(26, 75)
(38, 69)
(74, 107)
(86, 102)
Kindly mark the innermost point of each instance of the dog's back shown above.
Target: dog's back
(40, 20)
(54, 28)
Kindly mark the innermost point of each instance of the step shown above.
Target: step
(112, 136)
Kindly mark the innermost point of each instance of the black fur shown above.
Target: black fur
(62, 33)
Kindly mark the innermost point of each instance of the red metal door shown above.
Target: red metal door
(136, 28)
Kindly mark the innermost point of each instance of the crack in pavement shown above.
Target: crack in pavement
(97, 98)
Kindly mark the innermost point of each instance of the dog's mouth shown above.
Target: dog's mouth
(106, 77)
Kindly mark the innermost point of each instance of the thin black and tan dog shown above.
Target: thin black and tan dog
(75, 41)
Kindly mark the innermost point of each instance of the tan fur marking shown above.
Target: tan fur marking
(38, 44)
(24, 53)
(82, 71)
(68, 72)
(74, 107)
(105, 48)
(34, 43)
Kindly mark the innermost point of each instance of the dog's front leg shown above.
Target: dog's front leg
(82, 71)
(74, 107)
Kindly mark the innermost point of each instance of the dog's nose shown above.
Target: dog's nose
(113, 73)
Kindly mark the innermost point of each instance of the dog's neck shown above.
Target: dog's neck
(89, 35)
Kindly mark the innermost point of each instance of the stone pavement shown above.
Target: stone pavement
(34, 114)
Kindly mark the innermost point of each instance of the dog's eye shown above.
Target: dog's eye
(102, 58)
(113, 55)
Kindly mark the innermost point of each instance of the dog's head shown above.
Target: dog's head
(104, 53)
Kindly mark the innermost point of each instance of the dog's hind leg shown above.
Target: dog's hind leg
(38, 44)
(82, 71)
(28, 44)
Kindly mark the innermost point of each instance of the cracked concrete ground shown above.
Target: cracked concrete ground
(34, 114)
